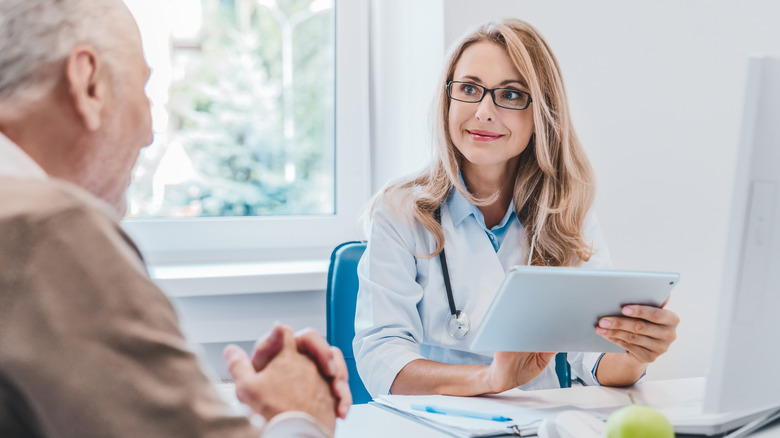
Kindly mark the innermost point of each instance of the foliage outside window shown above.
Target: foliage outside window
(243, 109)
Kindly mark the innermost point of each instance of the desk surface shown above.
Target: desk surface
(369, 420)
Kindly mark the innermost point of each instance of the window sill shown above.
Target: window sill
(212, 279)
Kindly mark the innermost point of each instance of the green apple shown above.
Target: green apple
(638, 421)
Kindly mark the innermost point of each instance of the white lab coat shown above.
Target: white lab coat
(402, 306)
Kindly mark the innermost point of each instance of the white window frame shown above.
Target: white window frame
(198, 240)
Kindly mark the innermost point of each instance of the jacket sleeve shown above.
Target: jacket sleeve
(388, 328)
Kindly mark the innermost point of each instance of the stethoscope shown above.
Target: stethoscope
(458, 322)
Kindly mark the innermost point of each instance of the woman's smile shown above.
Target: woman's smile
(479, 135)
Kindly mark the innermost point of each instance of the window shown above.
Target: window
(260, 116)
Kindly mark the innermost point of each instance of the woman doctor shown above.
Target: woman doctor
(509, 184)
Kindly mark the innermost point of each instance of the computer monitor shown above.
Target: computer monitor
(744, 374)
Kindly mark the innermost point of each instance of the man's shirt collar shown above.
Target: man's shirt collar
(15, 163)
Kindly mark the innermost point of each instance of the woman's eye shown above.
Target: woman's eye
(511, 95)
(469, 89)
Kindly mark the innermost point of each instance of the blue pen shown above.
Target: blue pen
(459, 412)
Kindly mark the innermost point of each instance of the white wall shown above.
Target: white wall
(656, 90)
(407, 45)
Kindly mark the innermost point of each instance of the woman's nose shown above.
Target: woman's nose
(486, 109)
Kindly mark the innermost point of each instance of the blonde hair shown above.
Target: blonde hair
(554, 185)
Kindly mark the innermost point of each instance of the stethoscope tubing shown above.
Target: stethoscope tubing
(445, 271)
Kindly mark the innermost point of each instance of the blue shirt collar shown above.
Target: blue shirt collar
(460, 209)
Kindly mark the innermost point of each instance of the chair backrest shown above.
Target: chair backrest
(341, 297)
(563, 370)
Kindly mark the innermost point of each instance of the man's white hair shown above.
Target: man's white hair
(36, 37)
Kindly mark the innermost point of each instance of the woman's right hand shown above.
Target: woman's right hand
(510, 370)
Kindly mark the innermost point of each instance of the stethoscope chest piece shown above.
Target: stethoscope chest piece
(458, 325)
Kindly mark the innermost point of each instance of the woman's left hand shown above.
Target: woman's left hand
(645, 332)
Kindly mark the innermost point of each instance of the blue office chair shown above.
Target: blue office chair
(340, 302)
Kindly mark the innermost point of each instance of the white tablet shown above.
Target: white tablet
(547, 309)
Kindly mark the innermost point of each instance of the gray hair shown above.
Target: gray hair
(36, 36)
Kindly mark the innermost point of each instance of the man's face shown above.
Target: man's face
(128, 122)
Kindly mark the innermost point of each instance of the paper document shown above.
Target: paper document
(469, 416)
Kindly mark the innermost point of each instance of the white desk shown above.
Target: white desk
(368, 420)
(371, 421)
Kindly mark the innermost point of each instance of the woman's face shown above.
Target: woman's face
(487, 135)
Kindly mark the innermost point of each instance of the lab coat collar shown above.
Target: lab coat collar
(15, 163)
(459, 207)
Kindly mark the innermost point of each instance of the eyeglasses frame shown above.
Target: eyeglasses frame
(485, 92)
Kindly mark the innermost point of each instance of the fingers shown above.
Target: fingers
(522, 357)
(641, 353)
(329, 360)
(340, 384)
(331, 364)
(643, 321)
(655, 315)
(340, 365)
(238, 364)
(310, 343)
(288, 339)
(268, 347)
(656, 346)
(645, 332)
(637, 327)
(512, 369)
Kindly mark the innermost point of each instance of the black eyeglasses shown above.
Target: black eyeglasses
(508, 98)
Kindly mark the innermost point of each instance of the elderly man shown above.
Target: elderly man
(89, 346)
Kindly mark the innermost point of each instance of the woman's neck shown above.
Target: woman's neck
(483, 182)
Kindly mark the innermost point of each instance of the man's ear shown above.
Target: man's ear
(87, 84)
